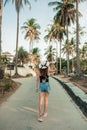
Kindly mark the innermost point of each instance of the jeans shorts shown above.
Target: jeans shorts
(44, 87)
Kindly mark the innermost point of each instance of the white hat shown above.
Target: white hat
(44, 65)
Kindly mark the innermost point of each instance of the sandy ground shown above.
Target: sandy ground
(23, 71)
(4, 97)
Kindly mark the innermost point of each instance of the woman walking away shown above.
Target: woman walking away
(44, 88)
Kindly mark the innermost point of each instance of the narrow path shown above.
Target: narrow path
(20, 111)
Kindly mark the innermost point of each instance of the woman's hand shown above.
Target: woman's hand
(37, 81)
(36, 89)
(52, 70)
(55, 69)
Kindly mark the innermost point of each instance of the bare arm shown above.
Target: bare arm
(51, 70)
(37, 82)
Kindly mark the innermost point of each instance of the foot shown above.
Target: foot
(45, 115)
(40, 119)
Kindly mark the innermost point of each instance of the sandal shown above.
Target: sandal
(45, 115)
(40, 119)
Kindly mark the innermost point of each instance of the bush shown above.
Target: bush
(20, 65)
(85, 72)
(29, 75)
(8, 86)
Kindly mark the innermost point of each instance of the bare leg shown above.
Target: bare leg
(41, 97)
(46, 102)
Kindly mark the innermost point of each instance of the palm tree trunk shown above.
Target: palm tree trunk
(16, 70)
(72, 65)
(1, 3)
(60, 56)
(52, 53)
(77, 41)
(57, 56)
(67, 41)
(30, 47)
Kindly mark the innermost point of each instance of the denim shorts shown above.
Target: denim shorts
(44, 87)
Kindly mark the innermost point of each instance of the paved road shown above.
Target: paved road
(20, 111)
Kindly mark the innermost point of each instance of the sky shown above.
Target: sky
(43, 15)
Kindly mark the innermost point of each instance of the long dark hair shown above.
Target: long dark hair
(44, 72)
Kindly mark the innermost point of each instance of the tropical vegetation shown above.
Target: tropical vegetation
(67, 12)
(18, 5)
(1, 5)
(22, 56)
(31, 30)
(58, 34)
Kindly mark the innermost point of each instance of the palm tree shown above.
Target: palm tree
(83, 51)
(59, 32)
(55, 33)
(5, 60)
(83, 57)
(66, 14)
(50, 53)
(72, 51)
(51, 37)
(36, 56)
(35, 51)
(81, 32)
(1, 3)
(22, 55)
(85, 45)
(18, 5)
(31, 29)
(77, 36)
